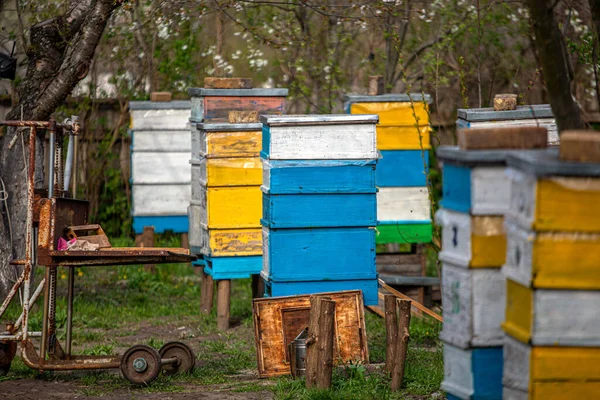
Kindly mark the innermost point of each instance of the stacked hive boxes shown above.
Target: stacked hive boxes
(160, 172)
(403, 138)
(475, 198)
(552, 347)
(533, 115)
(225, 208)
(319, 204)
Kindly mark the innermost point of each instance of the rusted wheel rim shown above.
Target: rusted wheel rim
(186, 359)
(140, 364)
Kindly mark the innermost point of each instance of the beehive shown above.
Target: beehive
(319, 204)
(552, 345)
(403, 139)
(159, 169)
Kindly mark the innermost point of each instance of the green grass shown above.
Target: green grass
(117, 307)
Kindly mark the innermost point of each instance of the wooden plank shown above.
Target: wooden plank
(401, 344)
(234, 171)
(161, 96)
(409, 280)
(580, 146)
(229, 242)
(321, 142)
(159, 119)
(527, 137)
(226, 144)
(273, 333)
(230, 207)
(319, 343)
(160, 168)
(548, 123)
(227, 83)
(415, 304)
(160, 199)
(403, 204)
(161, 141)
(243, 117)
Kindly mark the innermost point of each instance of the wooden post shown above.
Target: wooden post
(185, 242)
(401, 345)
(319, 345)
(376, 85)
(391, 332)
(206, 293)
(258, 287)
(223, 303)
(147, 240)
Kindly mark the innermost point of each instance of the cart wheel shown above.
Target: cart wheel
(186, 359)
(140, 364)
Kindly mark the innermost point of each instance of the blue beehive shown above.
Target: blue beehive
(319, 205)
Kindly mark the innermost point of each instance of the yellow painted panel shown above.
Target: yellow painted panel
(519, 308)
(566, 261)
(565, 390)
(488, 251)
(564, 363)
(236, 242)
(233, 144)
(568, 204)
(235, 171)
(234, 207)
(394, 113)
(403, 137)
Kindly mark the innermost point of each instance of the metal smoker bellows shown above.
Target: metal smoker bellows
(298, 354)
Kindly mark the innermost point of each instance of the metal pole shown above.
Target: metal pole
(29, 231)
(51, 157)
(45, 318)
(71, 284)
(69, 163)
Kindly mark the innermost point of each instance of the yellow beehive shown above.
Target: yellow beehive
(232, 207)
(233, 242)
(215, 144)
(238, 171)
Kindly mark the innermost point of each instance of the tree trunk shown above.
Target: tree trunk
(59, 57)
(555, 64)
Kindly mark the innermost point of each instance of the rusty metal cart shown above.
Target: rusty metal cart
(51, 215)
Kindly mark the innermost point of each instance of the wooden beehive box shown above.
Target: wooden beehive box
(277, 321)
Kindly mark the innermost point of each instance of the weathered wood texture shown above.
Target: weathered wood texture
(580, 146)
(401, 344)
(217, 108)
(319, 343)
(414, 304)
(227, 83)
(161, 96)
(243, 117)
(225, 144)
(223, 303)
(527, 137)
(206, 293)
(226, 242)
(277, 321)
(503, 102)
(391, 332)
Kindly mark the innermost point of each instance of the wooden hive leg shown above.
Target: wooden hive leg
(206, 293)
(223, 303)
(258, 287)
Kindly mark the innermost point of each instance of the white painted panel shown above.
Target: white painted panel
(516, 367)
(548, 123)
(174, 141)
(323, 142)
(474, 301)
(490, 191)
(519, 254)
(513, 394)
(522, 198)
(160, 168)
(458, 372)
(195, 227)
(456, 236)
(159, 119)
(403, 204)
(566, 318)
(151, 200)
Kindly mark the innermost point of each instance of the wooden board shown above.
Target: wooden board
(552, 317)
(553, 260)
(395, 113)
(536, 370)
(226, 144)
(226, 242)
(160, 167)
(324, 254)
(229, 207)
(320, 142)
(548, 123)
(171, 200)
(564, 204)
(223, 268)
(319, 210)
(478, 190)
(403, 233)
(402, 168)
(163, 119)
(523, 137)
(473, 373)
(472, 241)
(167, 140)
(404, 137)
(403, 204)
(234, 171)
(474, 301)
(277, 321)
(319, 176)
